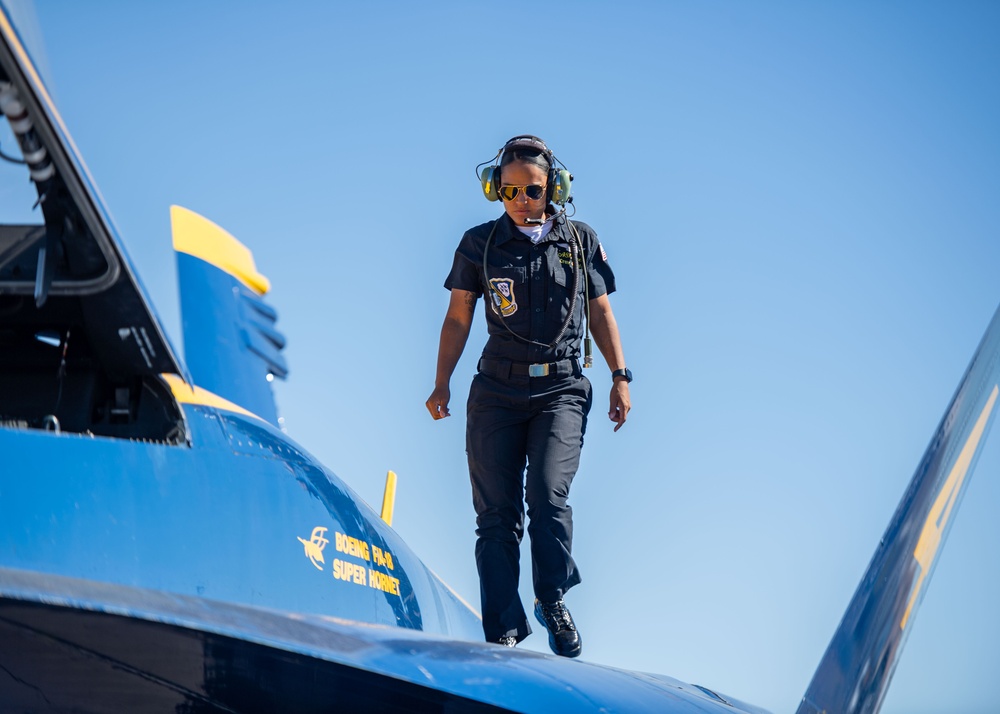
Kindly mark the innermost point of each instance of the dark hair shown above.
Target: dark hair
(527, 155)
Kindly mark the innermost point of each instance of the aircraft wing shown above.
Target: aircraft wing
(121, 648)
(858, 665)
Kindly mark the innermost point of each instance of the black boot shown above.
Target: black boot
(563, 637)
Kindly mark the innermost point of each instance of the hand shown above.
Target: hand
(437, 403)
(620, 403)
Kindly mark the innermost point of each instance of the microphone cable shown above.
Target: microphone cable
(578, 256)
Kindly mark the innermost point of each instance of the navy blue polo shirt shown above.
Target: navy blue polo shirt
(530, 286)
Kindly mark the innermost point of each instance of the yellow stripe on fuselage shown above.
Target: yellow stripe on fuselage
(199, 237)
(190, 394)
(937, 519)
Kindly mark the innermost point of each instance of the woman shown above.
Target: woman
(541, 274)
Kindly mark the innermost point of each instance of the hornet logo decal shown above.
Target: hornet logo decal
(315, 545)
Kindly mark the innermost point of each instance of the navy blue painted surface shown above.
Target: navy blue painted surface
(213, 654)
(205, 539)
(229, 341)
(219, 519)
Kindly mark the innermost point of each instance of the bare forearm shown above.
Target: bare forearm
(604, 329)
(454, 335)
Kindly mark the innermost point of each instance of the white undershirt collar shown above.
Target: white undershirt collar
(536, 233)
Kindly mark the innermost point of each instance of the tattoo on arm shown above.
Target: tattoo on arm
(470, 300)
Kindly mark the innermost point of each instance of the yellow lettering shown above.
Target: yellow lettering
(382, 557)
(383, 582)
(352, 546)
(343, 570)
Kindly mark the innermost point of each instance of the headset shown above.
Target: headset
(559, 182)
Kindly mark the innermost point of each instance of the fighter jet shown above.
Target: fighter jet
(165, 546)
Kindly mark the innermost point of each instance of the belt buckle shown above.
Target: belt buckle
(538, 370)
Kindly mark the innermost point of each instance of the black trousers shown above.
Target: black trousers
(513, 422)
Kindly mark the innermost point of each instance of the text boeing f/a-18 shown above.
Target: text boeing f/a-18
(117, 455)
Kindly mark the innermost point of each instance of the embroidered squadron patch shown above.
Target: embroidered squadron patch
(502, 291)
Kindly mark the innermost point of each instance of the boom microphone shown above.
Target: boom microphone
(540, 221)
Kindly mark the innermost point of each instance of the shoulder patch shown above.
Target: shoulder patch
(502, 291)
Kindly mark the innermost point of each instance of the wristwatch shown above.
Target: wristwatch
(626, 373)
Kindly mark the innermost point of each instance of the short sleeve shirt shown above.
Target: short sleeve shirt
(529, 287)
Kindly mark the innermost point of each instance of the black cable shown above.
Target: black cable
(578, 263)
(573, 247)
(11, 159)
(588, 359)
(488, 161)
(61, 372)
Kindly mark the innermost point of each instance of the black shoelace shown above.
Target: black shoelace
(557, 616)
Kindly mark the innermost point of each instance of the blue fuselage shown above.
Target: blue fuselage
(242, 515)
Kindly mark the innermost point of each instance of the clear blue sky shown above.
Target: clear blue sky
(800, 201)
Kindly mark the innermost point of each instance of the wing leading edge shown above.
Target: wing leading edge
(854, 673)
(62, 636)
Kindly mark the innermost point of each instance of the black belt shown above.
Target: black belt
(503, 368)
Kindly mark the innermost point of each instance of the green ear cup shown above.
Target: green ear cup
(489, 178)
(561, 185)
(560, 180)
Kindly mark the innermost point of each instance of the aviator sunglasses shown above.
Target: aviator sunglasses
(534, 192)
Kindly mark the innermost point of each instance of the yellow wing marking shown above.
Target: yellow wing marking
(937, 519)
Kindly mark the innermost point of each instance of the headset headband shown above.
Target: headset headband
(559, 181)
(527, 141)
